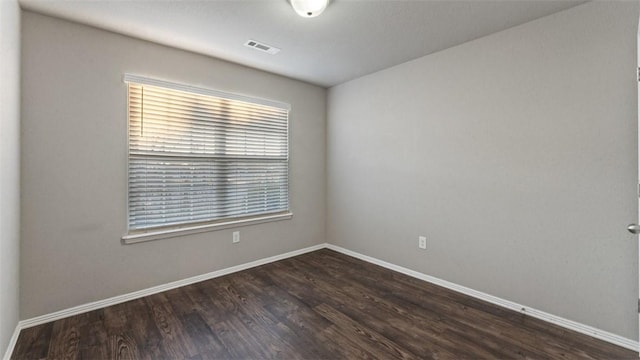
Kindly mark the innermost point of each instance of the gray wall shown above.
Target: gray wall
(74, 167)
(9, 169)
(515, 154)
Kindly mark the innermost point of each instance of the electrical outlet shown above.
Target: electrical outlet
(236, 237)
(422, 242)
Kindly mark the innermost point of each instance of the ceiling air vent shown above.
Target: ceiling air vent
(262, 47)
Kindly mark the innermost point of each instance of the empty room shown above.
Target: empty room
(312, 179)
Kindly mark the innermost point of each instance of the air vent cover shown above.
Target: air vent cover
(262, 47)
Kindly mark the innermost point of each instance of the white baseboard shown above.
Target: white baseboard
(12, 342)
(157, 289)
(557, 320)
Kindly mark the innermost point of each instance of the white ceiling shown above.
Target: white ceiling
(350, 39)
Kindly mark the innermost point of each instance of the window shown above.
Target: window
(200, 157)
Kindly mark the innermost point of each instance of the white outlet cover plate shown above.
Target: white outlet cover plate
(422, 242)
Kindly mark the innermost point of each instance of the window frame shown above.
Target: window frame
(169, 231)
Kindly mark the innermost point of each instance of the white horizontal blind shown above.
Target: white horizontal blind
(194, 157)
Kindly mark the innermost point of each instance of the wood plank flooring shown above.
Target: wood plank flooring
(321, 305)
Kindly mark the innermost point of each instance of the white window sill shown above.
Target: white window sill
(169, 233)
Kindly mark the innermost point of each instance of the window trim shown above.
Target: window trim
(204, 91)
(137, 236)
(169, 232)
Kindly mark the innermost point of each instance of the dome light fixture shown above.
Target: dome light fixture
(309, 8)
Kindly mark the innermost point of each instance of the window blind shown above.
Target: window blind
(198, 155)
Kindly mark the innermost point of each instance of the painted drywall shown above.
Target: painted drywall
(74, 167)
(515, 154)
(9, 169)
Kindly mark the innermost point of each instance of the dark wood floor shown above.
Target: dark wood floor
(321, 305)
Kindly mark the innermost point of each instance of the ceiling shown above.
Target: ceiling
(350, 39)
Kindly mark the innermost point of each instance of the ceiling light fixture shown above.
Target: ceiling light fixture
(309, 8)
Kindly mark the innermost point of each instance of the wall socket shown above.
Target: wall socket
(236, 237)
(422, 242)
